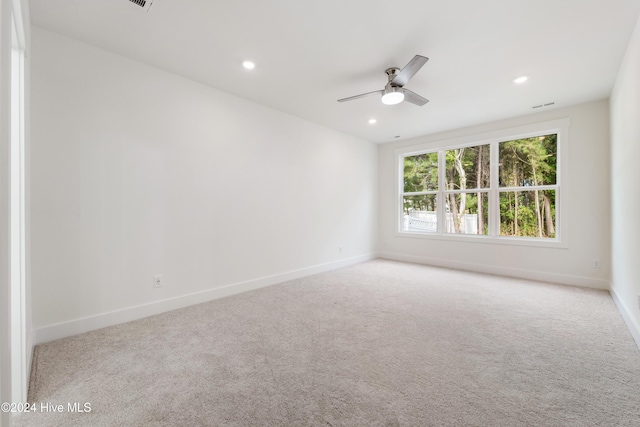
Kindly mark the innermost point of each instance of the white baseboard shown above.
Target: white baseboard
(542, 276)
(86, 324)
(632, 324)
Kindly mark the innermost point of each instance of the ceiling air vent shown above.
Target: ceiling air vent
(145, 4)
(548, 104)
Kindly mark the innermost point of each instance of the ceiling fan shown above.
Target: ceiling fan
(394, 91)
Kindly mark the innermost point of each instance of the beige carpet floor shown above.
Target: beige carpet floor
(381, 343)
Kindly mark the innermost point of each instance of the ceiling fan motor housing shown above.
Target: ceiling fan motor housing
(392, 73)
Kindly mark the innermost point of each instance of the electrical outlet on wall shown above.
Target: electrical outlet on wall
(596, 264)
(157, 281)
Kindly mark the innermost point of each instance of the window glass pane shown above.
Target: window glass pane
(528, 213)
(529, 161)
(467, 213)
(421, 173)
(420, 213)
(467, 168)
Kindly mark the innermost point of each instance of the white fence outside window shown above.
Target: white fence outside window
(427, 222)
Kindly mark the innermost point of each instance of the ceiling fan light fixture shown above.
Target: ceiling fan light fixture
(394, 91)
(392, 96)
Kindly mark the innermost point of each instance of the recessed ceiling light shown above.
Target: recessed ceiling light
(521, 80)
(372, 121)
(248, 65)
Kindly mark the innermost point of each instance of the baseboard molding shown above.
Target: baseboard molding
(632, 324)
(78, 326)
(542, 276)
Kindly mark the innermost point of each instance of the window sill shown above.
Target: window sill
(512, 241)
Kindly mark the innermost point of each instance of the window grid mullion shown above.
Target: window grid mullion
(420, 193)
(467, 191)
(441, 211)
(494, 199)
(530, 188)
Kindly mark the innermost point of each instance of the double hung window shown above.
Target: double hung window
(505, 188)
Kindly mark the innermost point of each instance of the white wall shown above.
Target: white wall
(625, 203)
(587, 201)
(138, 172)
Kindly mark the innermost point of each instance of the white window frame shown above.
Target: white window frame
(559, 127)
(20, 351)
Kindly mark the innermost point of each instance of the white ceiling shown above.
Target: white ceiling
(309, 54)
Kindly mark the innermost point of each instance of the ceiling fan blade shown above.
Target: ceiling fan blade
(351, 98)
(409, 70)
(413, 97)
